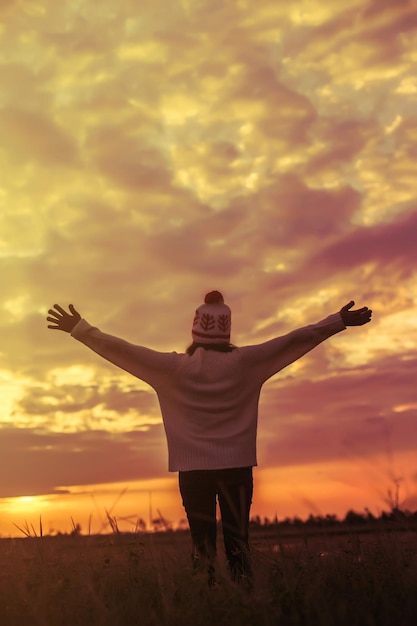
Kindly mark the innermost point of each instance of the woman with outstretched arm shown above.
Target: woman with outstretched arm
(209, 399)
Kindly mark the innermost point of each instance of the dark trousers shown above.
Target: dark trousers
(233, 488)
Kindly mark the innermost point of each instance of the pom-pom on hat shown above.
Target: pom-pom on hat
(212, 320)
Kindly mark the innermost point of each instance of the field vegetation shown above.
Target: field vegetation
(306, 574)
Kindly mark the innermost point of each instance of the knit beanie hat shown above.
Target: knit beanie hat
(212, 320)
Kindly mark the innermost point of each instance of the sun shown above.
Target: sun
(24, 504)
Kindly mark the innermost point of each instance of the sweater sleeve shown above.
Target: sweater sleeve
(148, 365)
(272, 356)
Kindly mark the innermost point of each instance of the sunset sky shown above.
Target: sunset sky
(154, 150)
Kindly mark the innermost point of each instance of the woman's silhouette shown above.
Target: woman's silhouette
(209, 404)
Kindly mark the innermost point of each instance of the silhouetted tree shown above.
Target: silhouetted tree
(352, 518)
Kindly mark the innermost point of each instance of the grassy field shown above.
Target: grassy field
(122, 580)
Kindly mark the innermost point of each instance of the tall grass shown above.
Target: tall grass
(126, 580)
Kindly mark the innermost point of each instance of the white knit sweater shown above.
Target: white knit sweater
(209, 401)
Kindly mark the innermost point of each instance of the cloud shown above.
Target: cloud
(20, 85)
(74, 398)
(125, 159)
(360, 37)
(29, 136)
(389, 244)
(34, 463)
(342, 140)
(354, 414)
(289, 214)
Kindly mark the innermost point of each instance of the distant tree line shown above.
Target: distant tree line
(352, 518)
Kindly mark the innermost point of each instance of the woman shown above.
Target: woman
(209, 404)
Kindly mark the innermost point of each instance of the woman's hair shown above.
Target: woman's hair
(217, 347)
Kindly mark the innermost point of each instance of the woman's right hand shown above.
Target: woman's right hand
(61, 319)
